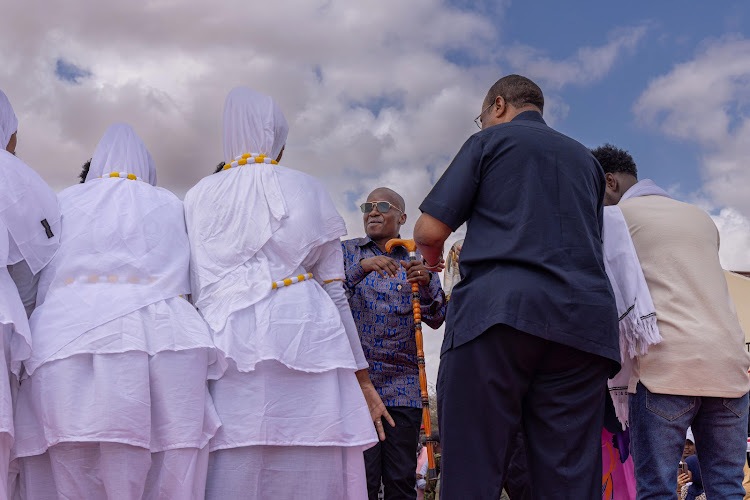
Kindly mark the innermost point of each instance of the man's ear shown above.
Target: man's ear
(500, 106)
(611, 182)
(402, 220)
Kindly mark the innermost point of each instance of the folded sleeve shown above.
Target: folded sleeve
(326, 263)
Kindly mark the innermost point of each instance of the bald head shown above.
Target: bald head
(383, 226)
(387, 194)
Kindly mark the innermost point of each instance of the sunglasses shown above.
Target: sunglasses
(382, 206)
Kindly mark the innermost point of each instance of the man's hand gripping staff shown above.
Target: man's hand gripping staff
(411, 247)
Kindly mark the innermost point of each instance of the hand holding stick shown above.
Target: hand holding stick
(411, 247)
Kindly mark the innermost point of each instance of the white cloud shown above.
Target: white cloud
(166, 66)
(588, 65)
(734, 231)
(705, 101)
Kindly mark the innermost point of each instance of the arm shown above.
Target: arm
(356, 268)
(354, 273)
(430, 235)
(26, 282)
(450, 202)
(433, 303)
(335, 290)
(325, 264)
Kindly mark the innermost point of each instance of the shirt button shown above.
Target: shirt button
(398, 287)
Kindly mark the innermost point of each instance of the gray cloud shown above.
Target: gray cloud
(372, 90)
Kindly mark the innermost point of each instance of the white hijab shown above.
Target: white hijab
(234, 216)
(253, 123)
(8, 121)
(122, 151)
(124, 247)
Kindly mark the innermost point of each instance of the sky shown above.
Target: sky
(385, 93)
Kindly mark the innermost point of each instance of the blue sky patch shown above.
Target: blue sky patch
(69, 72)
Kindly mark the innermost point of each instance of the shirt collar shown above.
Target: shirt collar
(363, 242)
(366, 241)
(534, 116)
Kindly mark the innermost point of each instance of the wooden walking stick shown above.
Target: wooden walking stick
(411, 247)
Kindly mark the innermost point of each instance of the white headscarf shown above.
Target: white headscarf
(8, 121)
(253, 123)
(124, 247)
(235, 215)
(30, 211)
(122, 151)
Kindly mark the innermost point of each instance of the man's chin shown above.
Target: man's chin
(374, 235)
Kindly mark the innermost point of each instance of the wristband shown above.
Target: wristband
(434, 268)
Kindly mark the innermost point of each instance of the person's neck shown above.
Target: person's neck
(380, 242)
(513, 112)
(628, 182)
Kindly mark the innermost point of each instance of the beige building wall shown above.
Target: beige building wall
(739, 288)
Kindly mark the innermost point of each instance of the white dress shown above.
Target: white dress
(116, 402)
(13, 327)
(130, 396)
(293, 429)
(294, 419)
(29, 238)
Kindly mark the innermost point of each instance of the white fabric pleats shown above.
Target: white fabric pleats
(116, 404)
(289, 473)
(294, 420)
(113, 471)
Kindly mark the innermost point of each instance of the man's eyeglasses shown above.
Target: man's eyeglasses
(478, 119)
(382, 206)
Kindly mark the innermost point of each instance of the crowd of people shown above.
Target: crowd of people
(233, 346)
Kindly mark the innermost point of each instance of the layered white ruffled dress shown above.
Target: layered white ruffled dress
(29, 238)
(294, 419)
(14, 328)
(116, 403)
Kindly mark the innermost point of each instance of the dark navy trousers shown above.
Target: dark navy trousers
(506, 380)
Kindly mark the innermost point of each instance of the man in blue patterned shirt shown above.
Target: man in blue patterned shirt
(378, 286)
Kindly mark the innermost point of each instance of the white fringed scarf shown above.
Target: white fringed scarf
(635, 308)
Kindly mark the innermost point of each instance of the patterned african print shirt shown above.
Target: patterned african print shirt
(382, 311)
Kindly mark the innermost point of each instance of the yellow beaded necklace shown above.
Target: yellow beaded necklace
(249, 158)
(123, 175)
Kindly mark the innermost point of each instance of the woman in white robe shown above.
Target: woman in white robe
(116, 404)
(29, 238)
(294, 418)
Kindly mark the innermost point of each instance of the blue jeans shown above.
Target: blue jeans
(658, 424)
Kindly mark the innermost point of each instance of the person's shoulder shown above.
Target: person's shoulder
(72, 190)
(353, 243)
(202, 185)
(291, 175)
(167, 196)
(669, 209)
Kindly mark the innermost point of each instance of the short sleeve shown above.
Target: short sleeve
(452, 198)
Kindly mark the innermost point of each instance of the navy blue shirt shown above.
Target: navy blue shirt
(532, 257)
